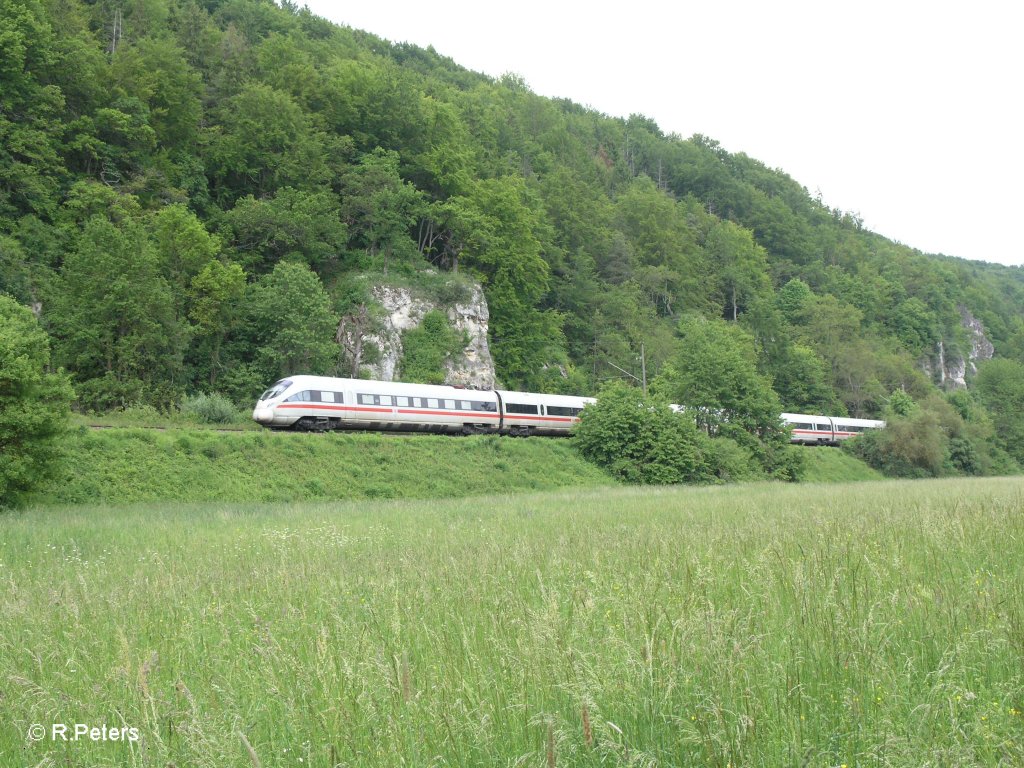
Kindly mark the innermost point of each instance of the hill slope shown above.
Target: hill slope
(198, 201)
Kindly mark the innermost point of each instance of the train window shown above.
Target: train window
(490, 407)
(823, 428)
(276, 390)
(464, 405)
(562, 410)
(384, 399)
(367, 400)
(449, 404)
(299, 397)
(327, 397)
(432, 402)
(842, 428)
(520, 408)
(402, 402)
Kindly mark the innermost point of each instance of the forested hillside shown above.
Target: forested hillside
(193, 194)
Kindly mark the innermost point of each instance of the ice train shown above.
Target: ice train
(320, 403)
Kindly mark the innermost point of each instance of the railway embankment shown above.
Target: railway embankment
(137, 465)
(134, 465)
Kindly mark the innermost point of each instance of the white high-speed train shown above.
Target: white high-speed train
(320, 403)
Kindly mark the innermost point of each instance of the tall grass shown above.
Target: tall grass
(769, 625)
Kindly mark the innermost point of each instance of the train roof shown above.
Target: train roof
(536, 398)
(845, 420)
(388, 387)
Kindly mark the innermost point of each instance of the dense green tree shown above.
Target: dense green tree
(263, 141)
(114, 319)
(714, 374)
(916, 326)
(183, 248)
(156, 72)
(800, 377)
(741, 265)
(794, 300)
(1000, 385)
(299, 225)
(381, 209)
(908, 447)
(664, 247)
(30, 110)
(216, 296)
(15, 273)
(291, 323)
(34, 403)
(506, 253)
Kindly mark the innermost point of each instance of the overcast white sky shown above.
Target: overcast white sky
(908, 113)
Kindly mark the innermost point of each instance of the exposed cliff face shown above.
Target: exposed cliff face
(402, 311)
(951, 370)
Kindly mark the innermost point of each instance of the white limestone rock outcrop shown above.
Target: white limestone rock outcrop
(951, 370)
(401, 310)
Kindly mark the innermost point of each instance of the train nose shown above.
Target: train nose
(263, 415)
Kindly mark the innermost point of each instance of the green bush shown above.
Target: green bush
(640, 440)
(427, 348)
(910, 446)
(210, 409)
(730, 461)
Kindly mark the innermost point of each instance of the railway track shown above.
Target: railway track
(165, 429)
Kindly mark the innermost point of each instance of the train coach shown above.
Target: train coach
(809, 429)
(320, 403)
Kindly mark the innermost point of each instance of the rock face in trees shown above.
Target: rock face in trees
(403, 311)
(950, 370)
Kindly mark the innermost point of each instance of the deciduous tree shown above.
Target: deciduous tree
(34, 403)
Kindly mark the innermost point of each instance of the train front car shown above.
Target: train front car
(288, 403)
(320, 403)
(264, 412)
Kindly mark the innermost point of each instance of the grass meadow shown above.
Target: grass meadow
(868, 624)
